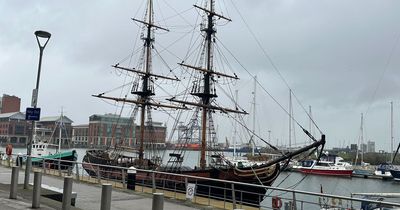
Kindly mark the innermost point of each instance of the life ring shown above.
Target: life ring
(276, 202)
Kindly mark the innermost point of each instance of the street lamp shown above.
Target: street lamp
(42, 38)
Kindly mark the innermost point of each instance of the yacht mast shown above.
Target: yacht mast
(253, 143)
(310, 121)
(362, 139)
(60, 125)
(391, 130)
(290, 120)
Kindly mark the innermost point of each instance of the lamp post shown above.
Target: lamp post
(42, 38)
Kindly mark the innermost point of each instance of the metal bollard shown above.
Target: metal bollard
(66, 201)
(28, 167)
(37, 184)
(106, 197)
(131, 185)
(14, 182)
(18, 161)
(158, 201)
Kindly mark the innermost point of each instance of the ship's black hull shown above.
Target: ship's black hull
(245, 194)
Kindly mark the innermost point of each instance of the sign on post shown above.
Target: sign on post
(32, 114)
(190, 191)
(34, 97)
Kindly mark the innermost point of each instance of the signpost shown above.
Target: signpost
(32, 114)
(190, 191)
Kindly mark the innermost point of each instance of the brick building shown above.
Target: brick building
(9, 104)
(52, 123)
(153, 135)
(109, 129)
(80, 135)
(14, 128)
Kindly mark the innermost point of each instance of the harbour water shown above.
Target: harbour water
(313, 183)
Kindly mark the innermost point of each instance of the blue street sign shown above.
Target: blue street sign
(32, 114)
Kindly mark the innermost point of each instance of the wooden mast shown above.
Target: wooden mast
(206, 96)
(144, 94)
(146, 91)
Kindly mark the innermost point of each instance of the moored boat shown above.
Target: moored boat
(395, 171)
(383, 170)
(324, 168)
(43, 152)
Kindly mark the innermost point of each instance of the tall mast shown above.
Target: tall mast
(235, 126)
(145, 89)
(391, 130)
(204, 90)
(253, 145)
(290, 120)
(310, 122)
(362, 138)
(207, 96)
(60, 130)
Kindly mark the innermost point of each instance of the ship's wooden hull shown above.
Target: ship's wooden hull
(250, 195)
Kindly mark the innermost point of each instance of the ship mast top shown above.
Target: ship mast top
(204, 88)
(145, 90)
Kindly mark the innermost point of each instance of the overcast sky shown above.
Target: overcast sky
(341, 57)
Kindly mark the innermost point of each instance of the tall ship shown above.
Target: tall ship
(199, 102)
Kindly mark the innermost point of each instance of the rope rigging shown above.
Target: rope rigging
(275, 68)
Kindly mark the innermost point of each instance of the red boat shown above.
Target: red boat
(324, 168)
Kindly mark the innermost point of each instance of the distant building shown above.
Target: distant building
(80, 135)
(370, 146)
(52, 124)
(364, 147)
(353, 147)
(14, 128)
(9, 104)
(110, 129)
(153, 135)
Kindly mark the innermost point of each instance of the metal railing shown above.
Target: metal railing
(174, 186)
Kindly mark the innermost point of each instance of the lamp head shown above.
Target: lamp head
(43, 34)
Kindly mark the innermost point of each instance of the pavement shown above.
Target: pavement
(88, 198)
